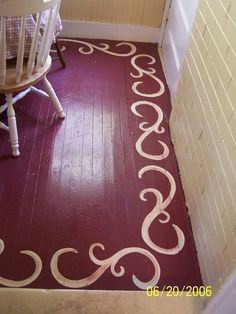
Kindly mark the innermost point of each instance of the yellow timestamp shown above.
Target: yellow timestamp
(175, 291)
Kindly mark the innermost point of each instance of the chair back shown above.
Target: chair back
(34, 13)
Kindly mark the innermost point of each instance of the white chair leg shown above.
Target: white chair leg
(12, 126)
(53, 97)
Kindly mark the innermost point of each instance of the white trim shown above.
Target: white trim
(81, 29)
(176, 38)
(225, 300)
(183, 15)
(164, 21)
(175, 53)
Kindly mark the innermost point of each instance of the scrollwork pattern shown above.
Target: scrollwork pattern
(159, 211)
(160, 208)
(27, 281)
(149, 72)
(104, 265)
(102, 47)
(147, 130)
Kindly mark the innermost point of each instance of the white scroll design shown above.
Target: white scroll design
(21, 283)
(158, 209)
(104, 265)
(102, 47)
(149, 72)
(149, 129)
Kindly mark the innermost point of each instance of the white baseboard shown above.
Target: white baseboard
(125, 32)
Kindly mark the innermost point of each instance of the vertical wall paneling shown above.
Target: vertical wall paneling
(136, 12)
(131, 20)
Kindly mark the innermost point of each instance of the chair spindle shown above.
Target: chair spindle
(33, 50)
(3, 51)
(54, 13)
(43, 43)
(21, 51)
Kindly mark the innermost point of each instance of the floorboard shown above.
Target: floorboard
(78, 184)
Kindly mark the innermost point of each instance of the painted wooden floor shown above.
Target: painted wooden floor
(103, 183)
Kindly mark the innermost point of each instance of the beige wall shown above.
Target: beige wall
(203, 125)
(137, 12)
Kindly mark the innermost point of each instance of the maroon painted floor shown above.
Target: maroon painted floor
(77, 181)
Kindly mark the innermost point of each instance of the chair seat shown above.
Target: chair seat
(12, 87)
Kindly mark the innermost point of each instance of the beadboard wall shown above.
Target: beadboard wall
(203, 127)
(132, 20)
(136, 12)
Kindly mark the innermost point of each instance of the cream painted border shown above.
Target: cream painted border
(41, 301)
(92, 30)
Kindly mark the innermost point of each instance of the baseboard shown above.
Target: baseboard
(124, 32)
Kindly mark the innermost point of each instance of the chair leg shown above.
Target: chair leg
(12, 126)
(60, 55)
(53, 97)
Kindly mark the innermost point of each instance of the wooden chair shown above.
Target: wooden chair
(59, 53)
(26, 70)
